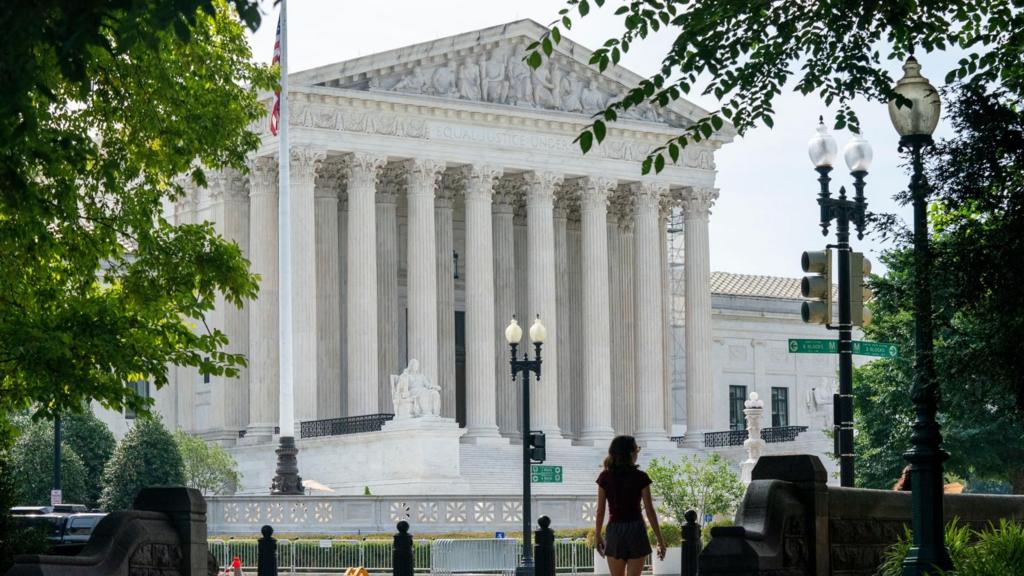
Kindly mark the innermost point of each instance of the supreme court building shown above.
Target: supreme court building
(436, 191)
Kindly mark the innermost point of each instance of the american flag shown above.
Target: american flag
(275, 114)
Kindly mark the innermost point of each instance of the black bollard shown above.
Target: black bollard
(691, 544)
(544, 548)
(266, 548)
(402, 563)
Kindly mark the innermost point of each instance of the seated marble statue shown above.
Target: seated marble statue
(413, 394)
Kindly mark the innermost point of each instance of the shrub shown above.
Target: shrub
(705, 531)
(208, 467)
(708, 486)
(672, 534)
(32, 467)
(147, 456)
(90, 438)
(994, 550)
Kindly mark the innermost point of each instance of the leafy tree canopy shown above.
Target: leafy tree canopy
(708, 486)
(106, 105)
(744, 53)
(32, 467)
(90, 438)
(208, 467)
(147, 456)
(978, 266)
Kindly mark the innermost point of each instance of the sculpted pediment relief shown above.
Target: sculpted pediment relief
(498, 75)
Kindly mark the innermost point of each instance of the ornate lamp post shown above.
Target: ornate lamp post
(915, 124)
(514, 334)
(857, 153)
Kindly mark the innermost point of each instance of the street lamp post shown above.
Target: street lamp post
(514, 334)
(857, 153)
(915, 124)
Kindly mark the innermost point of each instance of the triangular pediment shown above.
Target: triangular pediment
(487, 66)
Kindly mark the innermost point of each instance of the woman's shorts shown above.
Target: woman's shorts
(627, 540)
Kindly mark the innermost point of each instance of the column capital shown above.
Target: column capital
(363, 169)
(227, 184)
(306, 161)
(330, 179)
(540, 186)
(507, 191)
(423, 175)
(480, 180)
(262, 175)
(697, 202)
(649, 194)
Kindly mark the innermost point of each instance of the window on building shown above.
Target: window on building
(737, 395)
(141, 388)
(780, 407)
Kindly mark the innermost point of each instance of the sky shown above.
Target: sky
(766, 214)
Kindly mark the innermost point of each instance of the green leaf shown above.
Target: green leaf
(584, 8)
(673, 151)
(546, 46)
(556, 35)
(599, 130)
(771, 123)
(534, 60)
(659, 163)
(717, 123)
(586, 140)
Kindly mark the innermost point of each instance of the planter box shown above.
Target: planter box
(671, 565)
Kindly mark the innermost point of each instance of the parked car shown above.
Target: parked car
(70, 508)
(77, 528)
(30, 510)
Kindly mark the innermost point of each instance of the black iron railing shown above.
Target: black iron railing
(339, 426)
(736, 437)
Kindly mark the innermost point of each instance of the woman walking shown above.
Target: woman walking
(623, 486)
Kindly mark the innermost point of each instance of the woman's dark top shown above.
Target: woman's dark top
(624, 490)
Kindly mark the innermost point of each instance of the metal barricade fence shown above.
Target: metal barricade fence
(303, 556)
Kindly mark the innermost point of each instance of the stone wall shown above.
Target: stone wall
(164, 533)
(792, 523)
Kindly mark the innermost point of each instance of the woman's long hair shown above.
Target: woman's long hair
(620, 453)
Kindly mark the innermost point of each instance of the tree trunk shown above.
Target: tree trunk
(1017, 481)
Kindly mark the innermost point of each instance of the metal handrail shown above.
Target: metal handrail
(736, 437)
(341, 426)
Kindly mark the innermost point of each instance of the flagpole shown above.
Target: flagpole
(287, 480)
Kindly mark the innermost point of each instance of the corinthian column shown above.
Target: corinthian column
(388, 336)
(444, 248)
(616, 276)
(627, 265)
(506, 191)
(304, 165)
(650, 403)
(263, 311)
(423, 177)
(597, 392)
(329, 183)
(540, 249)
(361, 319)
(565, 400)
(481, 398)
(699, 379)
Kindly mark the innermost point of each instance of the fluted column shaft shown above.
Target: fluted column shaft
(507, 409)
(444, 245)
(387, 293)
(627, 263)
(666, 317)
(562, 306)
(480, 320)
(305, 162)
(616, 341)
(597, 391)
(328, 293)
(575, 350)
(650, 412)
(540, 189)
(361, 317)
(423, 178)
(699, 377)
(343, 297)
(263, 311)
(233, 400)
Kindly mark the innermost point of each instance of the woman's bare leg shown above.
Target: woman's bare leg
(617, 567)
(634, 566)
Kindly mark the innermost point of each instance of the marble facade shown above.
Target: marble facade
(436, 190)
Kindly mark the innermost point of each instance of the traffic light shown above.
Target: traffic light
(860, 267)
(817, 287)
(537, 450)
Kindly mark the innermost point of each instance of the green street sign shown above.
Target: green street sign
(880, 349)
(540, 473)
(860, 348)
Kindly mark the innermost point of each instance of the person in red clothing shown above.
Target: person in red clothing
(622, 487)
